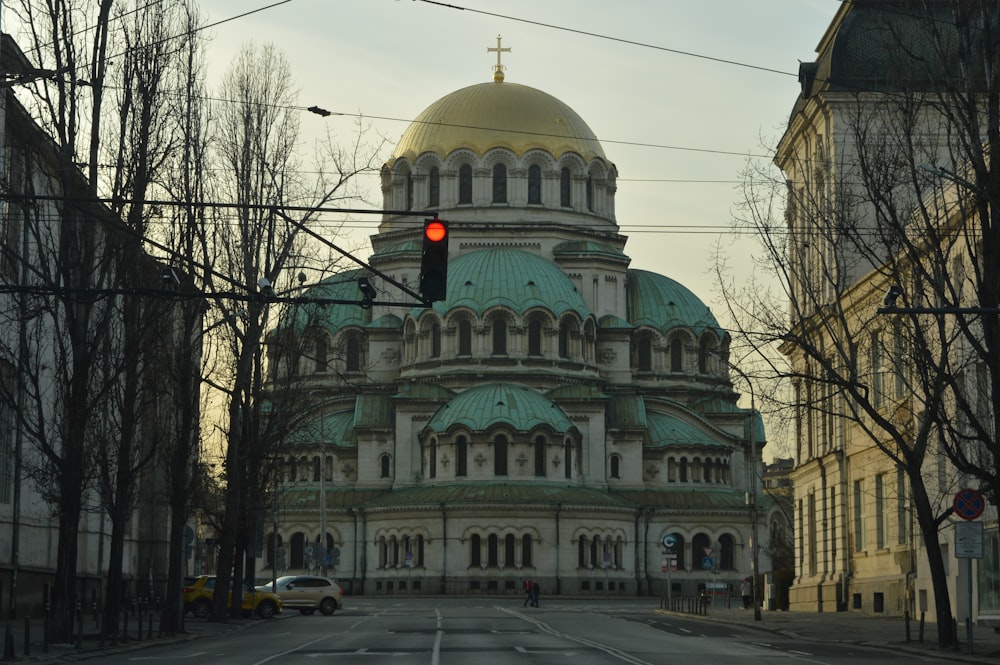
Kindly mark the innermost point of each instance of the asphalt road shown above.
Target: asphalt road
(453, 631)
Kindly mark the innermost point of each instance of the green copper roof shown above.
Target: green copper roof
(482, 407)
(665, 430)
(588, 249)
(612, 322)
(686, 498)
(333, 317)
(658, 301)
(510, 277)
(626, 412)
(387, 322)
(423, 391)
(374, 411)
(330, 429)
(576, 391)
(494, 493)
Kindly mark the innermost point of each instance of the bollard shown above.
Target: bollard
(79, 625)
(906, 622)
(922, 616)
(45, 618)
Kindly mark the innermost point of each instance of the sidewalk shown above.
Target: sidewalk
(856, 628)
(90, 646)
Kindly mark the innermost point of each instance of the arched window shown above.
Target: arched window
(564, 339)
(321, 353)
(297, 557)
(534, 184)
(509, 543)
(564, 188)
(436, 340)
(465, 184)
(581, 552)
(434, 188)
(432, 460)
(569, 461)
(476, 551)
(616, 464)
(492, 551)
(684, 470)
(385, 463)
(500, 456)
(461, 456)
(535, 338)
(590, 193)
(464, 338)
(676, 355)
(353, 359)
(707, 470)
(292, 470)
(420, 551)
(679, 551)
(499, 183)
(644, 355)
(540, 456)
(726, 552)
(704, 350)
(526, 550)
(317, 469)
(409, 191)
(499, 337)
(699, 544)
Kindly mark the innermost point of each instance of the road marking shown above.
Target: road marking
(192, 655)
(611, 651)
(436, 652)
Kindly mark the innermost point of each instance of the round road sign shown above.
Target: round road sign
(669, 541)
(969, 504)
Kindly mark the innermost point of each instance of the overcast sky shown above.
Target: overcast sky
(680, 92)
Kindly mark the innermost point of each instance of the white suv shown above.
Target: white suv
(308, 593)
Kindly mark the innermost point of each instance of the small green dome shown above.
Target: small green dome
(484, 406)
(510, 277)
(658, 301)
(331, 316)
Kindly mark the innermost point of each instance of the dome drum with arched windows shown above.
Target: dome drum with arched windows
(558, 403)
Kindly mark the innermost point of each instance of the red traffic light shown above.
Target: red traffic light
(435, 230)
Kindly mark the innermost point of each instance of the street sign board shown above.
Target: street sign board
(969, 540)
(669, 542)
(707, 563)
(969, 504)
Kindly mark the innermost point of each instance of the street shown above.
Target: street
(445, 631)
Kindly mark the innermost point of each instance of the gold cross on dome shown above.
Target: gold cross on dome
(498, 69)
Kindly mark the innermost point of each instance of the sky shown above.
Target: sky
(680, 92)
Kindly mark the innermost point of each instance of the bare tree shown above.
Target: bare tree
(863, 212)
(257, 245)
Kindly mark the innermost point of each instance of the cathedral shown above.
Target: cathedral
(560, 416)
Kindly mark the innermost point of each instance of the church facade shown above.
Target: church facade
(560, 416)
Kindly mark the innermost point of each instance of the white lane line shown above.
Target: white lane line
(611, 651)
(436, 652)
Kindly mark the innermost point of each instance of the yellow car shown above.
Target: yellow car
(198, 598)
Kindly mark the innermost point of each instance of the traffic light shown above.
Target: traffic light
(434, 261)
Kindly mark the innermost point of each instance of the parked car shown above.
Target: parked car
(198, 598)
(308, 593)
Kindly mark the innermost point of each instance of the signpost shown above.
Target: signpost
(969, 505)
(669, 542)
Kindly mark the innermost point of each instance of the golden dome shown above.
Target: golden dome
(498, 115)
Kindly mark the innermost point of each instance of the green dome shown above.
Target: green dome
(484, 406)
(658, 301)
(510, 277)
(333, 317)
(330, 429)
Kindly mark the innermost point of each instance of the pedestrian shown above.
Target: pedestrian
(745, 592)
(529, 592)
(536, 591)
